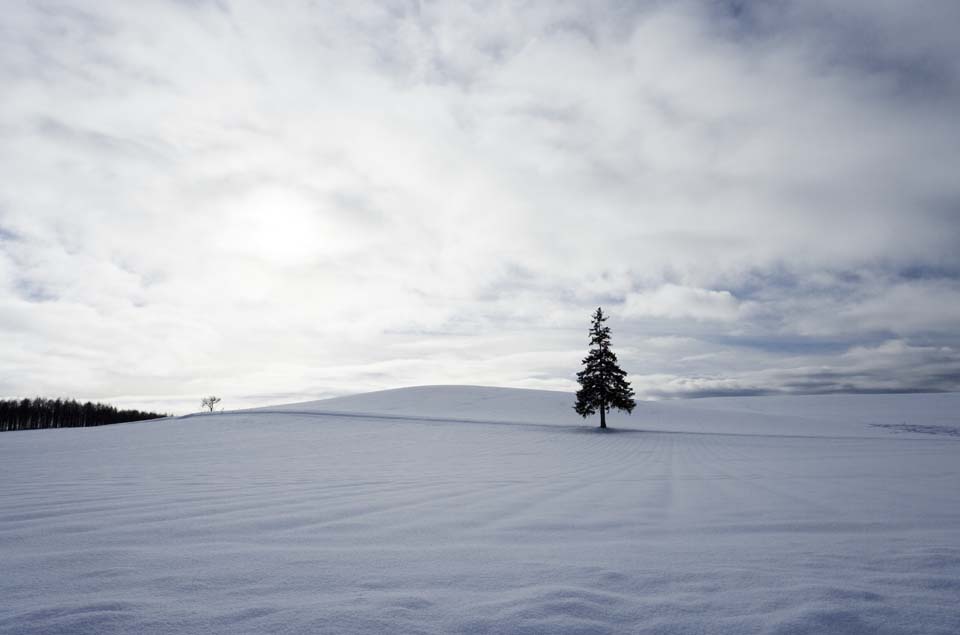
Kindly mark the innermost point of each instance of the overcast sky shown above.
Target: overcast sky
(279, 201)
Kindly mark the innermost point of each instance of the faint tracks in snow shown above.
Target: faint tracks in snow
(946, 431)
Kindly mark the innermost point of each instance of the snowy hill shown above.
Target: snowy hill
(820, 415)
(451, 403)
(452, 509)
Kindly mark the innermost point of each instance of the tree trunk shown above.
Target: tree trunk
(603, 415)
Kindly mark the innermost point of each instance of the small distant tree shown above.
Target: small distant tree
(210, 402)
(603, 384)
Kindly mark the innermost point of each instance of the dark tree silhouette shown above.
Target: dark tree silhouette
(210, 402)
(603, 384)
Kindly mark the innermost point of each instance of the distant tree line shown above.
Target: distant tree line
(40, 413)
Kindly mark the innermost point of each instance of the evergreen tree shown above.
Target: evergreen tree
(603, 384)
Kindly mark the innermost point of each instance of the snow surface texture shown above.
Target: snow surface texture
(479, 510)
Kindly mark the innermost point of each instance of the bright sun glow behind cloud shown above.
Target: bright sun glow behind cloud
(280, 227)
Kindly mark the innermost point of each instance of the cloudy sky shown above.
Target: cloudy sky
(278, 201)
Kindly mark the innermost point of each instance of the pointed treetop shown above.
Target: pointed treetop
(599, 334)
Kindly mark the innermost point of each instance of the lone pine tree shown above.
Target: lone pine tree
(603, 384)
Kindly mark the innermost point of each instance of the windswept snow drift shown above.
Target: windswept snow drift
(481, 510)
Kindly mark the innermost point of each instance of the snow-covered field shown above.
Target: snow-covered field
(480, 510)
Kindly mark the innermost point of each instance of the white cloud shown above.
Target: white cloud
(275, 200)
(674, 301)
